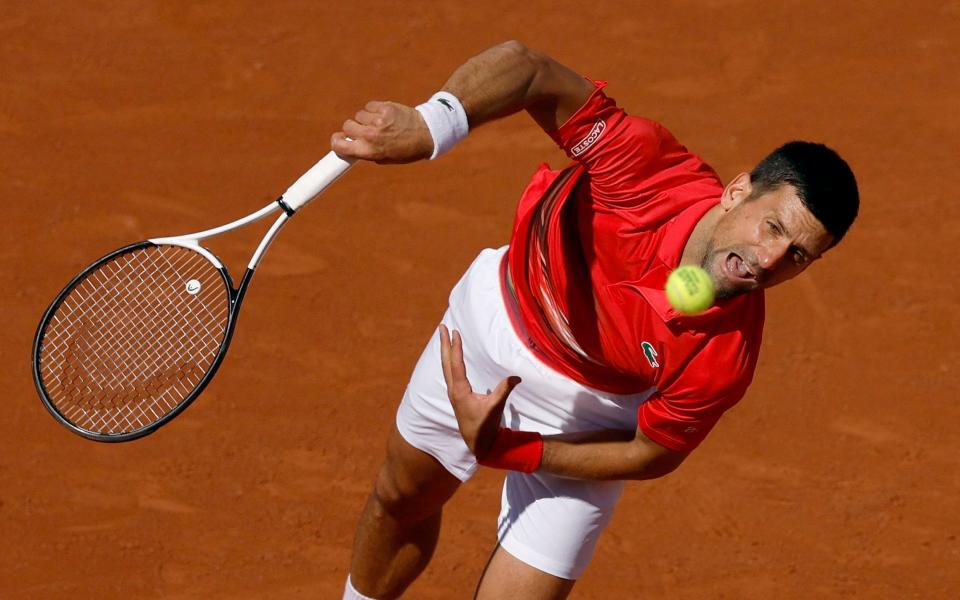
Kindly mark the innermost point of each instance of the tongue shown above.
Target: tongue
(740, 269)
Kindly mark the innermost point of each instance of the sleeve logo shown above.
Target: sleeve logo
(591, 138)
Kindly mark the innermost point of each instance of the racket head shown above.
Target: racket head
(133, 339)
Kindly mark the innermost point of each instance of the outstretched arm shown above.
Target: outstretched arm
(497, 82)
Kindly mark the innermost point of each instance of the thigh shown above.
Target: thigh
(509, 578)
(553, 524)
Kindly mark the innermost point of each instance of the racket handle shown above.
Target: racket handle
(314, 181)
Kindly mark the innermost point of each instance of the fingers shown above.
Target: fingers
(458, 370)
(451, 358)
(503, 389)
(370, 121)
(365, 140)
(349, 147)
(457, 367)
(360, 137)
(506, 386)
(358, 130)
(384, 132)
(445, 355)
(454, 369)
(375, 120)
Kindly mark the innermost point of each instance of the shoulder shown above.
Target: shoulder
(720, 371)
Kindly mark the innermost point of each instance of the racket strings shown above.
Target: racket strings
(133, 339)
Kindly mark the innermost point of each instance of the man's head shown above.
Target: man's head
(777, 220)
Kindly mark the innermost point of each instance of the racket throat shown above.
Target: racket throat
(286, 207)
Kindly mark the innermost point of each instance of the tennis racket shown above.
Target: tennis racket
(136, 336)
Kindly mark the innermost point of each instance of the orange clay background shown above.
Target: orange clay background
(837, 475)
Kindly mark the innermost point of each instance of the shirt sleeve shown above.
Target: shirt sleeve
(680, 416)
(679, 425)
(627, 158)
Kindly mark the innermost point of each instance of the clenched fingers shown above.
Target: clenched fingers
(349, 147)
(385, 132)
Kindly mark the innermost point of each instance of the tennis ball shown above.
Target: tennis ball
(690, 290)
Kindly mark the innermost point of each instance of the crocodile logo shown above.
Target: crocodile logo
(650, 353)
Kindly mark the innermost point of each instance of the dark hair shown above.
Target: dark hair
(823, 180)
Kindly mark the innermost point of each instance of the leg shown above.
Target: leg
(507, 578)
(547, 531)
(400, 523)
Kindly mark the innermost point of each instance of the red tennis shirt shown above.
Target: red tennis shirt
(589, 256)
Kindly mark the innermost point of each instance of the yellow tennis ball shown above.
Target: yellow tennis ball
(690, 290)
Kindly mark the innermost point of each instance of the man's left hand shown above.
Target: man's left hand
(478, 415)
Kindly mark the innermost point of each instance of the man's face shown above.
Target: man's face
(760, 241)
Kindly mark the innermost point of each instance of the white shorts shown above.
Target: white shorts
(548, 522)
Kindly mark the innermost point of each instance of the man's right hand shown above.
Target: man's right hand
(384, 132)
(497, 82)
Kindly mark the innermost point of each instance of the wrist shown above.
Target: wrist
(514, 451)
(446, 119)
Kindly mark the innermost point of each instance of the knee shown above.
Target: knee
(410, 489)
(411, 485)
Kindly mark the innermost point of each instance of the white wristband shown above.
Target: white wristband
(446, 120)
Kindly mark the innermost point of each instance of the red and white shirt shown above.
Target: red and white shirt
(590, 252)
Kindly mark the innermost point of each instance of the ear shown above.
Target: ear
(736, 191)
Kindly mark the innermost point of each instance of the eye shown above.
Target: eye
(773, 227)
(799, 257)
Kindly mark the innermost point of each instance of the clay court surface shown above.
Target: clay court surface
(838, 476)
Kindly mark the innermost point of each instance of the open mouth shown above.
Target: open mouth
(737, 269)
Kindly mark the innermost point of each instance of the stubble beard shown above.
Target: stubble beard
(723, 288)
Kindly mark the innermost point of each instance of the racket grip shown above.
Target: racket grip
(317, 179)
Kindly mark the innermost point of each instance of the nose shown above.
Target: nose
(772, 254)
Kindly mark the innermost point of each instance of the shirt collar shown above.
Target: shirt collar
(676, 233)
(678, 229)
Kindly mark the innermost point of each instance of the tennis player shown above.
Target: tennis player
(559, 359)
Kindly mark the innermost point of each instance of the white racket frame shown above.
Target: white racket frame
(320, 176)
(327, 170)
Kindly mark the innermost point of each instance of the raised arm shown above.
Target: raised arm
(497, 82)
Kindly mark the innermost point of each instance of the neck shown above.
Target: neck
(696, 248)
